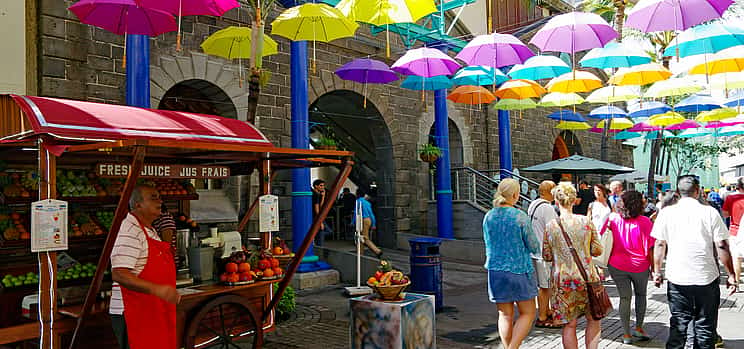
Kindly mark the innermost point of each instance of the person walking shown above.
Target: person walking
(319, 197)
(509, 240)
(541, 213)
(585, 197)
(630, 260)
(570, 299)
(368, 220)
(600, 208)
(694, 234)
(733, 208)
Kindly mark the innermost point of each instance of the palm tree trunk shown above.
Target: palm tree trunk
(619, 19)
(254, 89)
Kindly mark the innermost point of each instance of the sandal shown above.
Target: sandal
(547, 323)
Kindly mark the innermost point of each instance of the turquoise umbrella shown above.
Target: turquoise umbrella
(694, 132)
(479, 75)
(706, 38)
(539, 67)
(655, 134)
(627, 135)
(418, 83)
(731, 130)
(615, 55)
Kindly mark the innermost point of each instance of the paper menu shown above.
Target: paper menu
(48, 225)
(268, 213)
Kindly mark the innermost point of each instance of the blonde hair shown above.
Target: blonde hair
(506, 189)
(564, 194)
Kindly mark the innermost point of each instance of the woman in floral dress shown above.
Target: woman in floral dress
(569, 297)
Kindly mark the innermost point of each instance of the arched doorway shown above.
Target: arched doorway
(341, 114)
(198, 96)
(565, 145)
(455, 143)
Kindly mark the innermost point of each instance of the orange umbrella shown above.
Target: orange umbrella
(471, 95)
(520, 89)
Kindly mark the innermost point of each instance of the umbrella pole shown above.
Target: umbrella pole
(124, 57)
(178, 36)
(387, 40)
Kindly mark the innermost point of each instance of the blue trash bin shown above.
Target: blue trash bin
(426, 268)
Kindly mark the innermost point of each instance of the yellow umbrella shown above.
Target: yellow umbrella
(727, 81)
(560, 99)
(612, 94)
(728, 65)
(235, 42)
(316, 22)
(716, 115)
(666, 119)
(672, 87)
(616, 124)
(520, 89)
(573, 125)
(640, 74)
(576, 81)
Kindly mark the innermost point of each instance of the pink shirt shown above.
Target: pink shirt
(631, 244)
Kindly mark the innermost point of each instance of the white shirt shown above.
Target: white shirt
(541, 212)
(689, 229)
(599, 214)
(130, 251)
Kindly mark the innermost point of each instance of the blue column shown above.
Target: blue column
(505, 144)
(301, 193)
(443, 183)
(138, 71)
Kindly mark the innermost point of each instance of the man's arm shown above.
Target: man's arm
(127, 279)
(724, 255)
(659, 254)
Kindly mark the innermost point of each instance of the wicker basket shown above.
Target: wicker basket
(428, 157)
(389, 293)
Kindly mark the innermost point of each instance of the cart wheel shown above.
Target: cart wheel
(221, 322)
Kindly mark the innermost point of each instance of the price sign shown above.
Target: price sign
(268, 213)
(48, 225)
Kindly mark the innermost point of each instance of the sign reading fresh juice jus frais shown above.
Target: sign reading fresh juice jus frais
(164, 171)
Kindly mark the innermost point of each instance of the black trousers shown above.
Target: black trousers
(697, 305)
(120, 330)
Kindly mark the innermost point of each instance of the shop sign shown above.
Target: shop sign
(164, 171)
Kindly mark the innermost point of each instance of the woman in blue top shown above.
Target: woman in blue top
(507, 232)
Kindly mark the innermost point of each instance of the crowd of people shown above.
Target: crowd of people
(542, 261)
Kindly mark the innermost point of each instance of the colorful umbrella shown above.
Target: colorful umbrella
(706, 38)
(616, 124)
(479, 75)
(684, 125)
(612, 94)
(123, 17)
(643, 126)
(698, 103)
(694, 132)
(716, 115)
(731, 131)
(573, 32)
(365, 71)
(573, 125)
(730, 60)
(520, 89)
(560, 99)
(727, 81)
(601, 130)
(566, 115)
(495, 50)
(670, 15)
(576, 81)
(607, 112)
(471, 95)
(539, 67)
(627, 135)
(667, 119)
(672, 87)
(615, 55)
(735, 100)
(419, 83)
(738, 120)
(426, 62)
(515, 104)
(235, 42)
(655, 135)
(646, 109)
(640, 74)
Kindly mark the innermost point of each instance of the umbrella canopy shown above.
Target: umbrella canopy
(647, 109)
(739, 119)
(382, 12)
(515, 104)
(566, 115)
(365, 70)
(313, 22)
(495, 50)
(612, 94)
(191, 7)
(716, 115)
(672, 87)
(539, 67)
(595, 129)
(616, 124)
(479, 75)
(426, 62)
(471, 95)
(627, 135)
(721, 63)
(124, 17)
(655, 135)
(684, 125)
(667, 119)
(578, 164)
(694, 132)
(615, 55)
(727, 81)
(735, 100)
(577, 81)
(643, 126)
(560, 99)
(640, 74)
(706, 38)
(660, 15)
(731, 130)
(697, 103)
(520, 89)
(607, 112)
(635, 177)
(573, 125)
(573, 32)
(235, 42)
(440, 82)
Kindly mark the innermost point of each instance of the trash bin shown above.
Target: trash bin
(426, 268)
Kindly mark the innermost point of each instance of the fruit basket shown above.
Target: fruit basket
(387, 282)
(389, 293)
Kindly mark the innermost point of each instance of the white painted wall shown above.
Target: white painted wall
(13, 46)
(474, 17)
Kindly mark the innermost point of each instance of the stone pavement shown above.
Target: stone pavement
(469, 319)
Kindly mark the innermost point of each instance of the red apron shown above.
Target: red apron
(151, 321)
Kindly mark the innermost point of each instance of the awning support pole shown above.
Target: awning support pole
(47, 260)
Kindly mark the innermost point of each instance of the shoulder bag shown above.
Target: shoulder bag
(599, 300)
(606, 240)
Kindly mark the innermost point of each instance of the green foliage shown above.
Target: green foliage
(288, 303)
(327, 141)
(430, 149)
(687, 154)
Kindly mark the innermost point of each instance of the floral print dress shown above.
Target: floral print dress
(569, 298)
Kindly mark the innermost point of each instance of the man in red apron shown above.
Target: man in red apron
(144, 296)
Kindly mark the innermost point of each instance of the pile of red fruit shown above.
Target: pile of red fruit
(237, 269)
(268, 266)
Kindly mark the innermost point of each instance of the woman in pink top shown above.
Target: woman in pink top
(630, 259)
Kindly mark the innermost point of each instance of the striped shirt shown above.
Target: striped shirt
(130, 251)
(166, 221)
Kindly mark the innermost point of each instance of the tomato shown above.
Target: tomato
(231, 267)
(274, 262)
(378, 275)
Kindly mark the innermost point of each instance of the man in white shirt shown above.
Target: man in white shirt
(541, 212)
(694, 234)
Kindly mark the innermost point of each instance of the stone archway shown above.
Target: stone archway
(198, 96)
(565, 145)
(455, 143)
(456, 119)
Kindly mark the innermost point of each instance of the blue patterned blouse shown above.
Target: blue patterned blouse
(507, 232)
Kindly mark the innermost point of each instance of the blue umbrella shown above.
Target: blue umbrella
(415, 82)
(614, 55)
(697, 103)
(479, 75)
(647, 109)
(566, 115)
(627, 135)
(694, 132)
(607, 112)
(706, 38)
(539, 67)
(735, 100)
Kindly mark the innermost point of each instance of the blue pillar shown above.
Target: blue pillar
(443, 183)
(505, 144)
(138, 71)
(301, 193)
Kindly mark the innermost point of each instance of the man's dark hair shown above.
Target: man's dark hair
(630, 204)
(584, 182)
(688, 185)
(740, 183)
(360, 192)
(347, 190)
(318, 182)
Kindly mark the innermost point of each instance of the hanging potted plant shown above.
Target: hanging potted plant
(326, 143)
(429, 152)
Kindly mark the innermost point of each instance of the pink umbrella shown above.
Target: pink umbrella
(727, 122)
(495, 50)
(573, 32)
(643, 127)
(601, 130)
(123, 17)
(684, 125)
(426, 62)
(660, 15)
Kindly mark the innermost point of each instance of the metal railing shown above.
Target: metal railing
(478, 187)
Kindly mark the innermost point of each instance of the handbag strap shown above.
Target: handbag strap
(573, 252)
(534, 210)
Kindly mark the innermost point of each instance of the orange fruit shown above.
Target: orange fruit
(274, 262)
(278, 250)
(277, 271)
(244, 267)
(231, 267)
(371, 280)
(268, 273)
